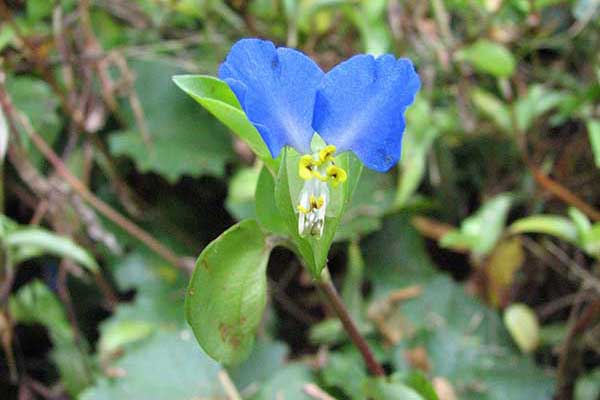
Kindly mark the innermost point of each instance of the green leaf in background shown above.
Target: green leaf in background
(267, 358)
(555, 225)
(345, 370)
(7, 35)
(581, 221)
(3, 137)
(369, 17)
(588, 386)
(37, 101)
(373, 197)
(157, 304)
(523, 325)
(419, 382)
(216, 97)
(227, 293)
(489, 57)
(535, 103)
(168, 365)
(288, 383)
(465, 341)
(480, 232)
(420, 134)
(28, 242)
(35, 303)
(593, 128)
(382, 389)
(240, 197)
(493, 108)
(183, 140)
(39, 9)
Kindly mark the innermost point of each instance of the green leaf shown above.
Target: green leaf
(39, 9)
(32, 242)
(465, 342)
(480, 232)
(287, 383)
(240, 197)
(3, 137)
(417, 381)
(581, 221)
(489, 57)
(588, 386)
(35, 98)
(420, 134)
(216, 97)
(591, 241)
(35, 303)
(555, 225)
(267, 357)
(182, 139)
(372, 198)
(7, 36)
(267, 212)
(166, 366)
(157, 304)
(369, 19)
(493, 108)
(382, 389)
(345, 370)
(523, 325)
(228, 291)
(535, 103)
(593, 128)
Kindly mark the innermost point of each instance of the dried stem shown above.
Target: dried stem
(84, 192)
(359, 341)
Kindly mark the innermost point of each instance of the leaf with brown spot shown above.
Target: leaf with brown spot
(225, 301)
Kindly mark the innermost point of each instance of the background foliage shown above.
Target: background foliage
(472, 267)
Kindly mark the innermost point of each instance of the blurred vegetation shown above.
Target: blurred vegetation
(472, 266)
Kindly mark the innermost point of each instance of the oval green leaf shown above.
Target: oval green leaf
(554, 225)
(523, 325)
(227, 294)
(489, 57)
(32, 242)
(216, 97)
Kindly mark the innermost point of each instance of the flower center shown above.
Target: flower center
(318, 171)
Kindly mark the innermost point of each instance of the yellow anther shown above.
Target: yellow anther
(303, 210)
(326, 154)
(319, 176)
(336, 174)
(305, 167)
(316, 203)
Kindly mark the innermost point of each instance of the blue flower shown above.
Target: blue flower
(357, 106)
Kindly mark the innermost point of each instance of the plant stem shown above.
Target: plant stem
(359, 341)
(103, 208)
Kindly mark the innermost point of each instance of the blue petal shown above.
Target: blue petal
(277, 89)
(360, 107)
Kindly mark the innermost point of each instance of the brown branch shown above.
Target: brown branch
(563, 193)
(359, 341)
(83, 191)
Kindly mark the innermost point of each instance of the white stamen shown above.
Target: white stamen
(313, 222)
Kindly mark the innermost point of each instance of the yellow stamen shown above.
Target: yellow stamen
(305, 165)
(319, 176)
(326, 154)
(303, 210)
(336, 175)
(316, 203)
